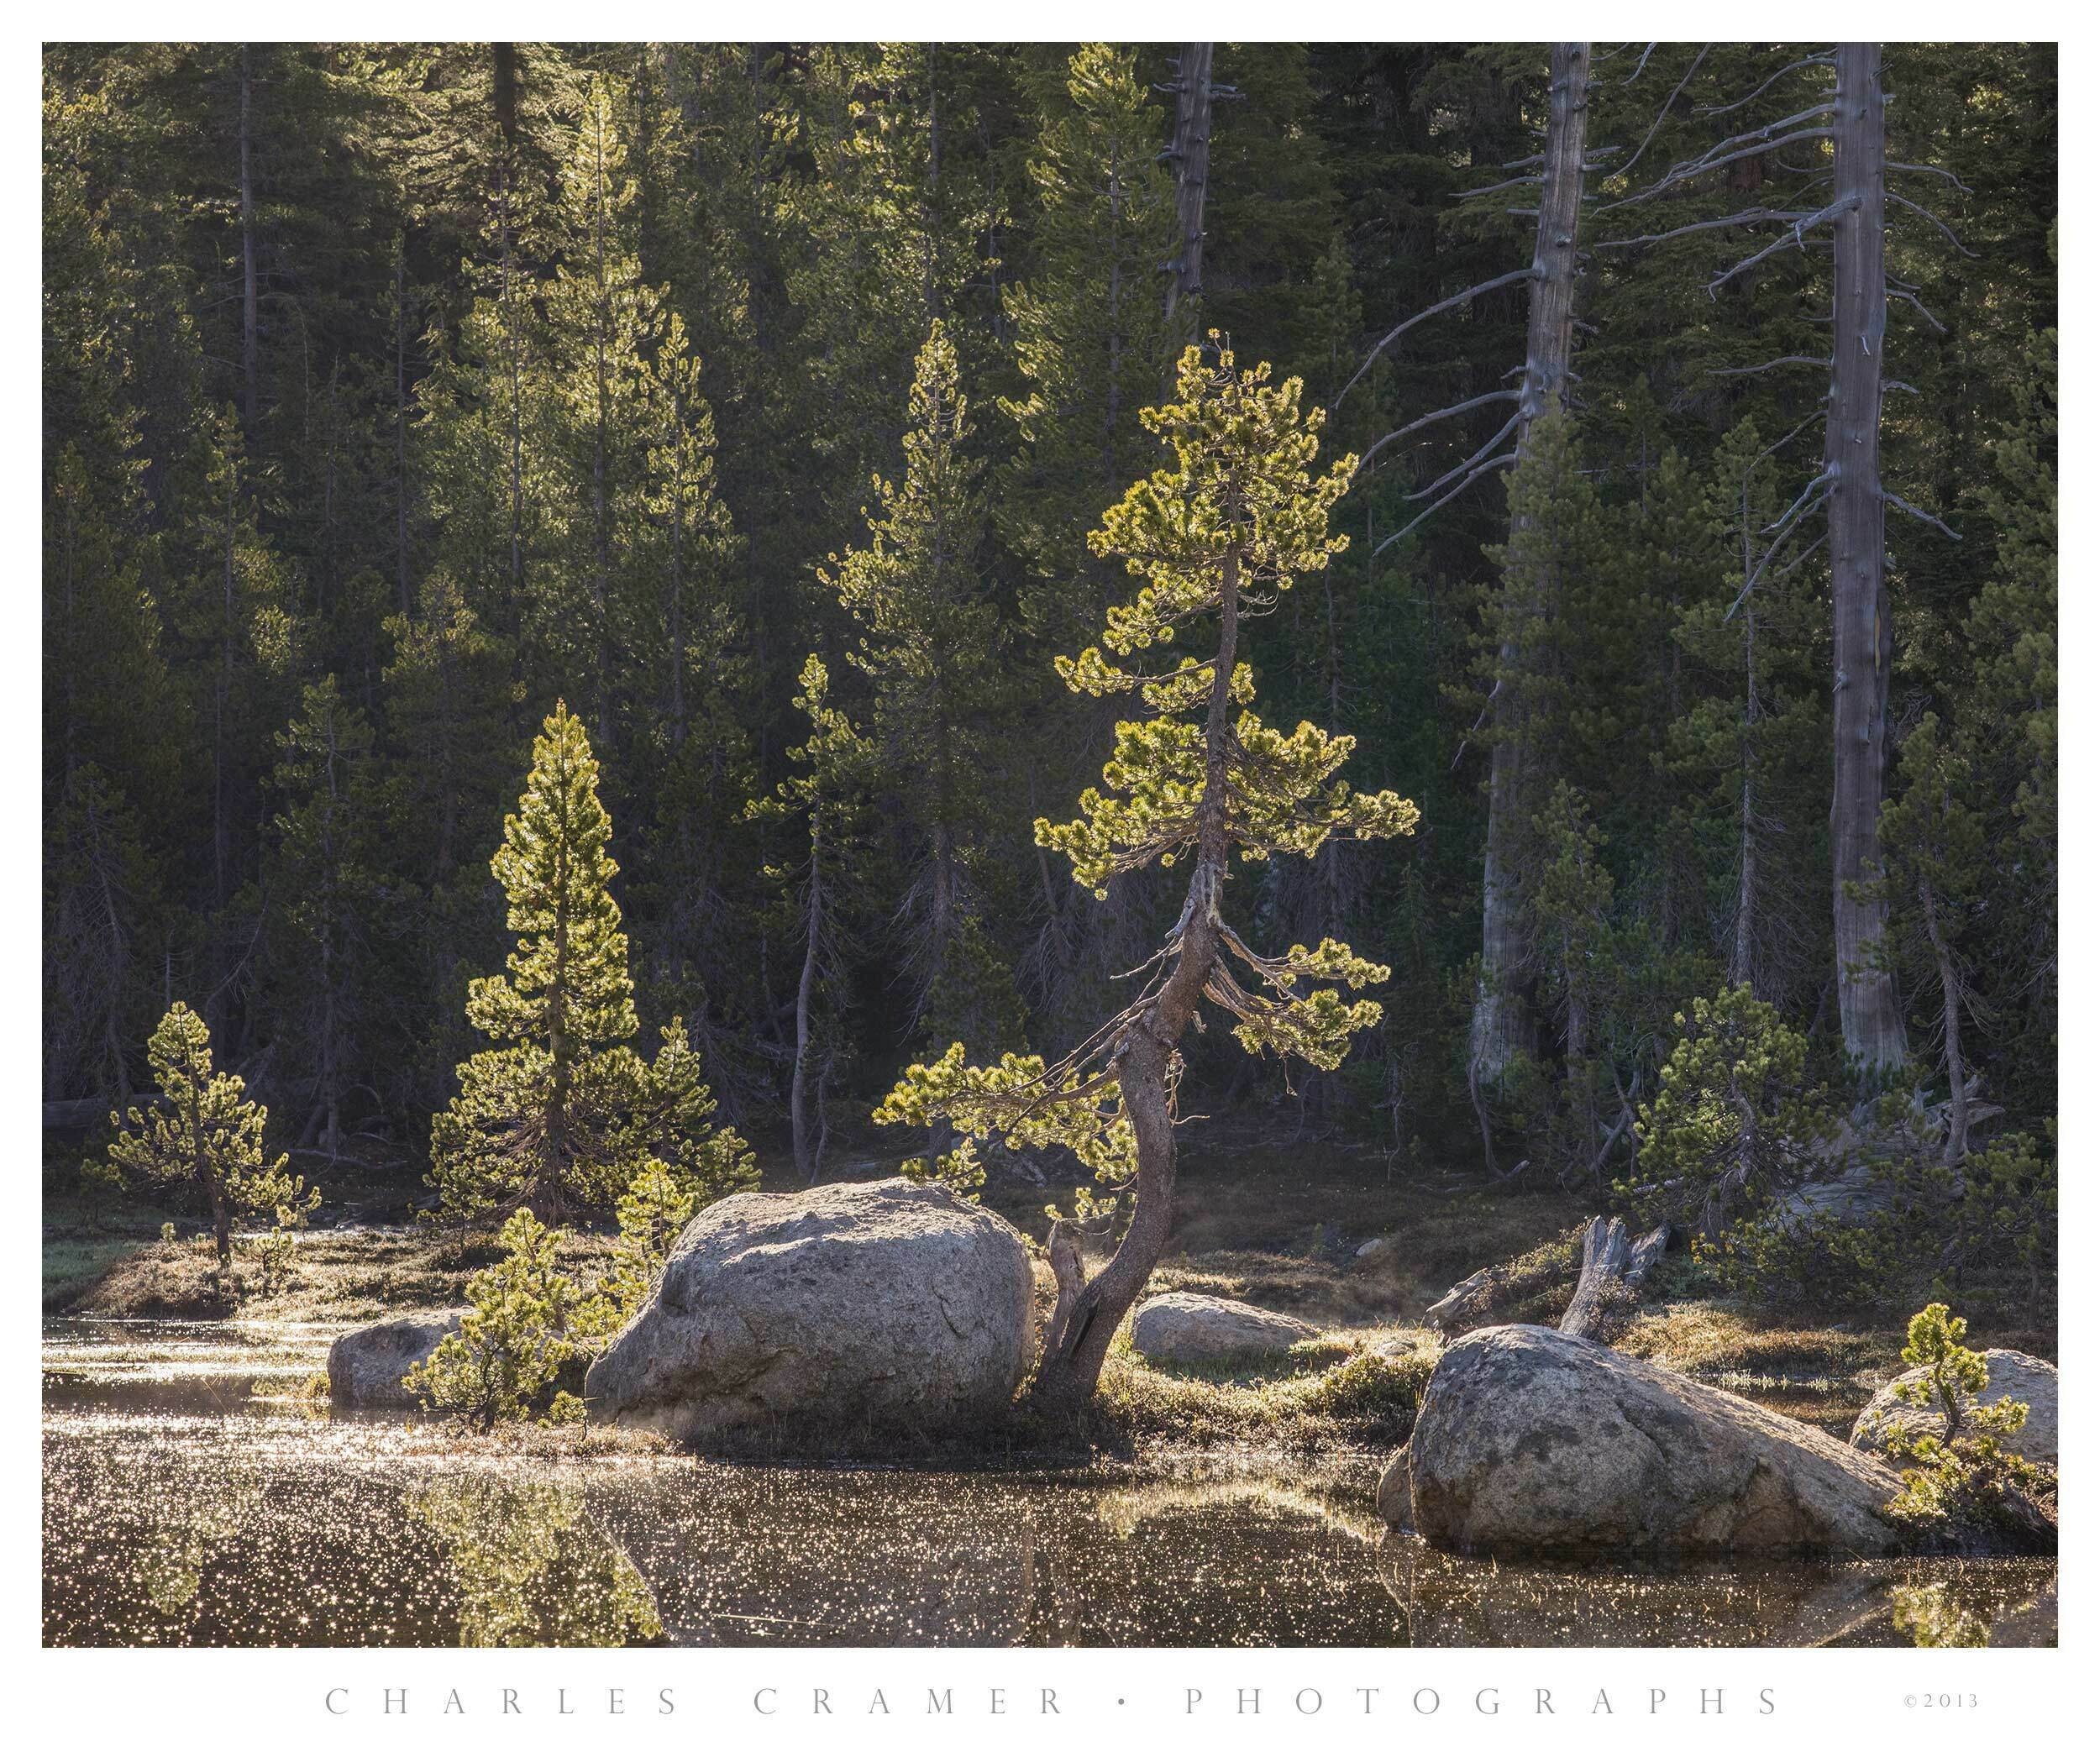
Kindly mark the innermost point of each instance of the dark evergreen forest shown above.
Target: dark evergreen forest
(392, 393)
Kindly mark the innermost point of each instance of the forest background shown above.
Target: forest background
(392, 393)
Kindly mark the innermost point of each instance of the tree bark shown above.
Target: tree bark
(1868, 1015)
(1191, 156)
(1503, 1026)
(1613, 1267)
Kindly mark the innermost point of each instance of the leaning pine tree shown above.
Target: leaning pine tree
(564, 1114)
(1221, 533)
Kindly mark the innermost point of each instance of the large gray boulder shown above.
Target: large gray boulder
(365, 1367)
(2024, 1378)
(1532, 1442)
(1176, 1330)
(892, 1305)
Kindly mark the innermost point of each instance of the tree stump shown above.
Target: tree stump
(1613, 1269)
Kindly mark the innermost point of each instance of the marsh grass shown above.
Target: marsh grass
(1277, 1227)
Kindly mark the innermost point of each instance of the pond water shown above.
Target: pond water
(188, 1499)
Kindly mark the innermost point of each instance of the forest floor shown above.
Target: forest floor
(1277, 1224)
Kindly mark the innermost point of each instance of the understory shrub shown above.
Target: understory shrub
(1984, 1232)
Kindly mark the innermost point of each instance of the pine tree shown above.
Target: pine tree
(204, 1133)
(1231, 525)
(931, 645)
(565, 1114)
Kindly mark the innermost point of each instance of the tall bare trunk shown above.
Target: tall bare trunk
(1868, 1015)
(1503, 1024)
(1190, 153)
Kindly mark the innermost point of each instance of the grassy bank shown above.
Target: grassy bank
(1282, 1229)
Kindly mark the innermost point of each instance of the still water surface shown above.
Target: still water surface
(187, 1500)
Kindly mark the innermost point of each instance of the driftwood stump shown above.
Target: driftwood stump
(1614, 1267)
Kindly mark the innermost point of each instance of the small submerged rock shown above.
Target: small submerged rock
(1174, 1330)
(2024, 1378)
(1529, 1441)
(365, 1368)
(887, 1305)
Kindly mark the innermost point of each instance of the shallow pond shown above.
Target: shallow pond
(188, 1500)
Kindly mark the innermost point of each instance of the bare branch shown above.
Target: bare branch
(1456, 408)
(1749, 216)
(1946, 230)
(1934, 171)
(1492, 463)
(1844, 204)
(1784, 359)
(1822, 481)
(1820, 490)
(1655, 126)
(1714, 158)
(1510, 278)
(1912, 299)
(1641, 67)
(1918, 512)
(1457, 469)
(1534, 177)
(1809, 61)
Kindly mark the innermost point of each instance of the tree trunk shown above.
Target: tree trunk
(248, 370)
(1950, 1003)
(1503, 1025)
(1190, 155)
(1613, 1267)
(1868, 1015)
(805, 997)
(1143, 1065)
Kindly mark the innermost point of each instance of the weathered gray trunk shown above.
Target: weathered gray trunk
(1191, 155)
(1503, 1025)
(1613, 1265)
(1868, 1015)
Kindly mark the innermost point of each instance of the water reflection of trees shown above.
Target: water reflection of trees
(534, 1570)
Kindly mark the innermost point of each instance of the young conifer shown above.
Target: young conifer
(564, 1114)
(204, 1132)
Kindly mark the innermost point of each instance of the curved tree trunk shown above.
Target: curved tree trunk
(1087, 1317)
(1872, 1021)
(1503, 1026)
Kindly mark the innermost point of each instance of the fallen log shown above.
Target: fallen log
(1491, 1295)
